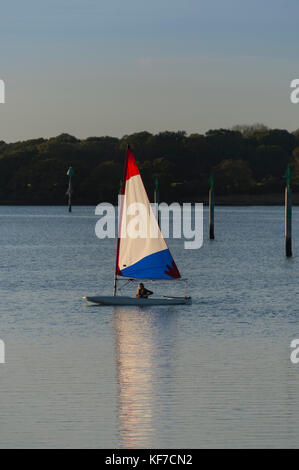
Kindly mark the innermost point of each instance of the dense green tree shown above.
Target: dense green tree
(296, 167)
(234, 176)
(269, 160)
(245, 159)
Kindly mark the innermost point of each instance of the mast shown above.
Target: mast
(157, 199)
(121, 193)
(114, 285)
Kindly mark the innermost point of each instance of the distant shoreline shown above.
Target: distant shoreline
(227, 200)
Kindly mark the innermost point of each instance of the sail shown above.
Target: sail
(146, 257)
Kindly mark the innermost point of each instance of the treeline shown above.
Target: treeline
(245, 160)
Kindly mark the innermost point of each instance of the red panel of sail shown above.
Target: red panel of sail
(131, 166)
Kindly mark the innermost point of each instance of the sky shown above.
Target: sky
(115, 67)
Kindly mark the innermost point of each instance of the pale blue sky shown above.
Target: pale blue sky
(112, 67)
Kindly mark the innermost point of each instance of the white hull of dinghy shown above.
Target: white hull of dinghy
(122, 300)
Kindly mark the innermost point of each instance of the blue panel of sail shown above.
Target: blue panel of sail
(159, 265)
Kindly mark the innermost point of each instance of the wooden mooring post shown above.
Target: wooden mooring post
(70, 174)
(211, 206)
(288, 213)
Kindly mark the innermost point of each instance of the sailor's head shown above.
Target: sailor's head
(141, 285)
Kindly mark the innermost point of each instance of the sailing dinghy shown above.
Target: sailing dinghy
(146, 258)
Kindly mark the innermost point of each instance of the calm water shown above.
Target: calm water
(214, 374)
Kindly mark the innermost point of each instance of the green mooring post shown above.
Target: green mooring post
(156, 199)
(70, 173)
(211, 206)
(288, 213)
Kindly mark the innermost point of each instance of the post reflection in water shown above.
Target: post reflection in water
(145, 356)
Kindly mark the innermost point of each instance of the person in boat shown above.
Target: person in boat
(142, 292)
